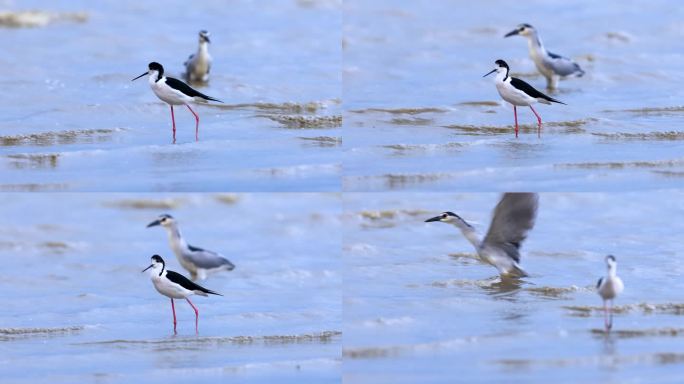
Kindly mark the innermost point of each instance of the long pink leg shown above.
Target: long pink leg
(173, 120)
(539, 127)
(196, 315)
(196, 122)
(605, 315)
(173, 309)
(515, 114)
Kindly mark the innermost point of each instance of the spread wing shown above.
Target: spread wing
(513, 217)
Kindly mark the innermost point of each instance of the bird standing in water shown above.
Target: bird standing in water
(608, 288)
(513, 217)
(198, 65)
(174, 92)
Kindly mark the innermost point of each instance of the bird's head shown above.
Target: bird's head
(157, 265)
(164, 220)
(522, 30)
(501, 67)
(449, 218)
(204, 36)
(610, 261)
(154, 69)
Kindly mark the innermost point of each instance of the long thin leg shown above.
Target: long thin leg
(196, 122)
(610, 315)
(196, 315)
(605, 315)
(173, 309)
(173, 120)
(515, 114)
(539, 127)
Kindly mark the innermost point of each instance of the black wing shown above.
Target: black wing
(186, 89)
(528, 89)
(598, 284)
(186, 283)
(555, 56)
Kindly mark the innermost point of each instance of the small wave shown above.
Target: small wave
(318, 337)
(306, 122)
(32, 19)
(645, 308)
(59, 137)
(33, 187)
(324, 141)
(619, 165)
(656, 136)
(160, 204)
(400, 111)
(480, 103)
(413, 121)
(39, 331)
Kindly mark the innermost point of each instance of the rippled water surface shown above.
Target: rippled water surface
(77, 309)
(73, 120)
(419, 115)
(418, 306)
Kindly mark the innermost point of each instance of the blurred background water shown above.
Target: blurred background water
(419, 116)
(73, 120)
(77, 309)
(418, 306)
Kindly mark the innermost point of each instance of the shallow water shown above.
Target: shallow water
(77, 309)
(419, 308)
(74, 120)
(419, 115)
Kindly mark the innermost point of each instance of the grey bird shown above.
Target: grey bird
(550, 65)
(198, 65)
(199, 262)
(513, 218)
(608, 288)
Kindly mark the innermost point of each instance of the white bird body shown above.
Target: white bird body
(198, 65)
(175, 286)
(167, 94)
(169, 289)
(199, 262)
(550, 65)
(609, 287)
(513, 95)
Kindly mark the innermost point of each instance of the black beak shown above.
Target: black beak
(512, 33)
(436, 218)
(151, 265)
(490, 72)
(207, 39)
(140, 76)
(154, 223)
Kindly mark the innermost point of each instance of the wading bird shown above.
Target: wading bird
(513, 217)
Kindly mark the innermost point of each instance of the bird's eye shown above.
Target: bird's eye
(444, 216)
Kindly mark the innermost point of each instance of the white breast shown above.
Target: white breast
(169, 289)
(513, 95)
(168, 94)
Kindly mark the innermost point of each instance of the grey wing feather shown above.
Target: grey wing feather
(513, 217)
(563, 66)
(208, 259)
(189, 60)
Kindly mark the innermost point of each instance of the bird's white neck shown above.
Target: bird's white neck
(203, 50)
(535, 44)
(612, 270)
(470, 233)
(152, 78)
(176, 238)
(501, 75)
